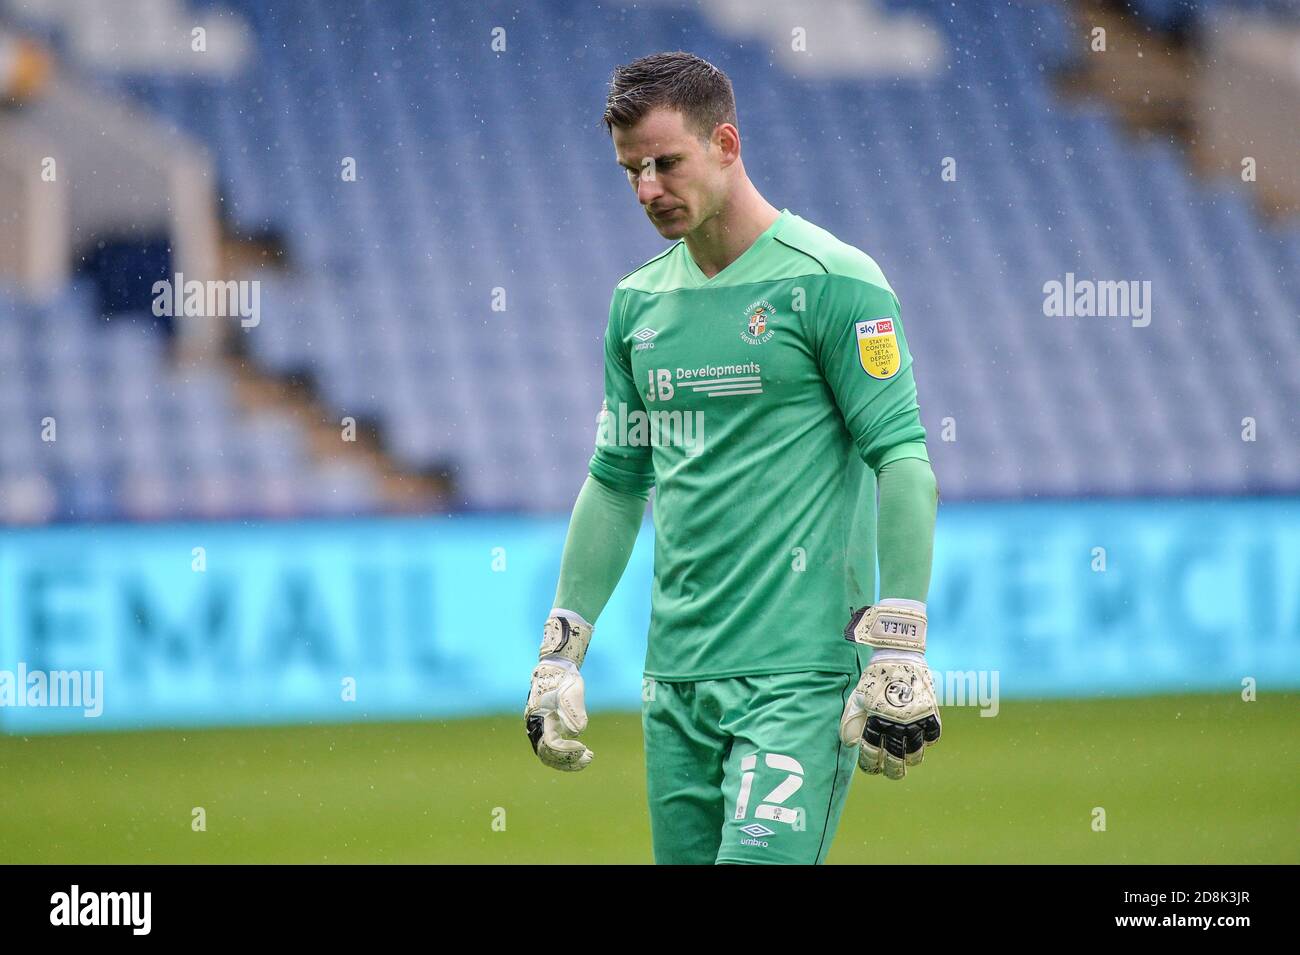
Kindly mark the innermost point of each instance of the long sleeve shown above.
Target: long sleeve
(628, 467)
(909, 500)
(602, 532)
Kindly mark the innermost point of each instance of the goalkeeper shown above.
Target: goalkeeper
(757, 377)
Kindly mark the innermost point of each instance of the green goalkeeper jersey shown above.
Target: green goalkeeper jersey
(758, 403)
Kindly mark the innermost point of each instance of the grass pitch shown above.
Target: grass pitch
(1182, 779)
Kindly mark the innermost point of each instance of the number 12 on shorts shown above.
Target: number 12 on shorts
(771, 806)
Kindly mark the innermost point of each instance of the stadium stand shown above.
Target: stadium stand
(1188, 15)
(463, 189)
(134, 436)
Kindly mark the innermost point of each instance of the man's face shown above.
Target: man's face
(678, 177)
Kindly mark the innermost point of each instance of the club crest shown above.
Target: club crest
(759, 319)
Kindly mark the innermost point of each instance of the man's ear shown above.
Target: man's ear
(727, 139)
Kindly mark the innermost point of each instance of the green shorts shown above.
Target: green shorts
(747, 769)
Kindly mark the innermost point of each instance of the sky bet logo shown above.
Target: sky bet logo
(102, 908)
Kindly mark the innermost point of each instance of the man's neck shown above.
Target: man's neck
(723, 238)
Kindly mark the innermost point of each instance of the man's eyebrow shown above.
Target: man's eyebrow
(657, 161)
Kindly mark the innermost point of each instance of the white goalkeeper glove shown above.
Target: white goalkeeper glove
(556, 712)
(893, 713)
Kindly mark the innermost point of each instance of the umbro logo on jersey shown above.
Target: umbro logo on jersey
(644, 336)
(757, 830)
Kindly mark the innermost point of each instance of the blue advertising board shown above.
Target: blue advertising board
(221, 624)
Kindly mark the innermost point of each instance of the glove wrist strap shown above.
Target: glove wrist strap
(888, 627)
(566, 638)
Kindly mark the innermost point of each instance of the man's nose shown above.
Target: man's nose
(648, 190)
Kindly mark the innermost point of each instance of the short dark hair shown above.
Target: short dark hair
(680, 81)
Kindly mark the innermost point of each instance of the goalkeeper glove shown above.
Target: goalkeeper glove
(556, 713)
(893, 713)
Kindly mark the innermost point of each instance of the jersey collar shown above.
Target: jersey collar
(701, 279)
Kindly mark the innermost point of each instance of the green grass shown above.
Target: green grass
(1190, 779)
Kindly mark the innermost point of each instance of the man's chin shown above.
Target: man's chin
(673, 227)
